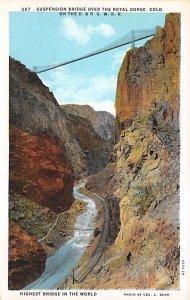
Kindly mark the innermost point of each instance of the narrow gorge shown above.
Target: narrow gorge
(51, 147)
(132, 161)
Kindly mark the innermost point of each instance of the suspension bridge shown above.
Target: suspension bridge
(129, 38)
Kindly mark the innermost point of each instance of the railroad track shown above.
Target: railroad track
(83, 273)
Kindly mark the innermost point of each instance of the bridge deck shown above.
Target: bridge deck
(130, 38)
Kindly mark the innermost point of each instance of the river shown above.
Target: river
(67, 257)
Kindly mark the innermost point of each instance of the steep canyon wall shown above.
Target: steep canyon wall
(143, 176)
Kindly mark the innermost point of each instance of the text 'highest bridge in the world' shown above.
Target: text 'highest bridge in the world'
(129, 38)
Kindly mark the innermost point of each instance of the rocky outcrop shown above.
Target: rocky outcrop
(149, 76)
(84, 111)
(96, 150)
(26, 257)
(94, 132)
(33, 109)
(102, 121)
(105, 125)
(146, 253)
(149, 207)
(38, 170)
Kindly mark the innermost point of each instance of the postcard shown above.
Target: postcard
(94, 154)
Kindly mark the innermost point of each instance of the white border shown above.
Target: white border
(168, 6)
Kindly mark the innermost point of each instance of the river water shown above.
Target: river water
(63, 261)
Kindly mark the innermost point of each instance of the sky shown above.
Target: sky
(43, 39)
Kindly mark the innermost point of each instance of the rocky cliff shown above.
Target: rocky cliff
(94, 132)
(26, 257)
(149, 76)
(40, 170)
(34, 110)
(145, 168)
(105, 125)
(96, 150)
(102, 121)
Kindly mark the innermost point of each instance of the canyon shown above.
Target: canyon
(132, 161)
(49, 150)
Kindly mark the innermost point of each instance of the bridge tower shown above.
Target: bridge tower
(35, 69)
(132, 39)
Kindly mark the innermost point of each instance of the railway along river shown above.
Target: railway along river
(61, 263)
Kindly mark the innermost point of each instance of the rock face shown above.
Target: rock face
(146, 166)
(94, 133)
(26, 257)
(145, 69)
(34, 109)
(102, 121)
(40, 170)
(96, 150)
(43, 174)
(105, 125)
